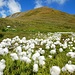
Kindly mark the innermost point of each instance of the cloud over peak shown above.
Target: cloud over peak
(2, 3)
(3, 13)
(12, 5)
(38, 3)
(56, 1)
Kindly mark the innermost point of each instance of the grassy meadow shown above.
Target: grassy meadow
(40, 27)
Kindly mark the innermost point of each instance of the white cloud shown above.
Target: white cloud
(56, 1)
(2, 3)
(38, 4)
(13, 6)
(3, 13)
(48, 1)
(60, 1)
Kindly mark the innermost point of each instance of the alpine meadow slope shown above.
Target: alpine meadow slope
(42, 19)
(37, 42)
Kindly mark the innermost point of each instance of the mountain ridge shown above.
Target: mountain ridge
(42, 13)
(38, 9)
(42, 19)
(42, 10)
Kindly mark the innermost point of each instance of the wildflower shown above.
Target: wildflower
(50, 56)
(2, 66)
(69, 67)
(19, 49)
(25, 59)
(55, 70)
(35, 56)
(71, 54)
(60, 50)
(14, 56)
(35, 68)
(53, 51)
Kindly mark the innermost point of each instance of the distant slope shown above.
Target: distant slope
(42, 13)
(42, 19)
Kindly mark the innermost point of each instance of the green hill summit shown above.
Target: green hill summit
(42, 19)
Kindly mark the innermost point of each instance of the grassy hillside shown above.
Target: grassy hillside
(38, 20)
(29, 33)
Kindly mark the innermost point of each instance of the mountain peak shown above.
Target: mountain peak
(38, 11)
(42, 12)
(42, 19)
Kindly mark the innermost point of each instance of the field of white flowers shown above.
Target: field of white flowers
(45, 54)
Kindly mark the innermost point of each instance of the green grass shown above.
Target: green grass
(21, 68)
(38, 20)
(30, 23)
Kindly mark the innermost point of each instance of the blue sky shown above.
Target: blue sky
(8, 7)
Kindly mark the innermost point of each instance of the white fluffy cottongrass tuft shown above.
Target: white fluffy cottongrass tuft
(8, 26)
(60, 50)
(19, 49)
(25, 59)
(50, 56)
(35, 56)
(41, 51)
(35, 68)
(69, 67)
(14, 56)
(1, 73)
(47, 47)
(32, 45)
(55, 70)
(21, 54)
(65, 45)
(23, 40)
(2, 61)
(1, 51)
(73, 48)
(4, 51)
(2, 66)
(16, 44)
(3, 44)
(57, 42)
(53, 51)
(41, 60)
(69, 62)
(71, 54)
(53, 46)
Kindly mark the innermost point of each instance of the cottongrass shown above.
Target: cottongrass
(37, 51)
(50, 56)
(53, 51)
(71, 54)
(2, 66)
(35, 68)
(25, 59)
(14, 56)
(60, 50)
(69, 67)
(55, 70)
